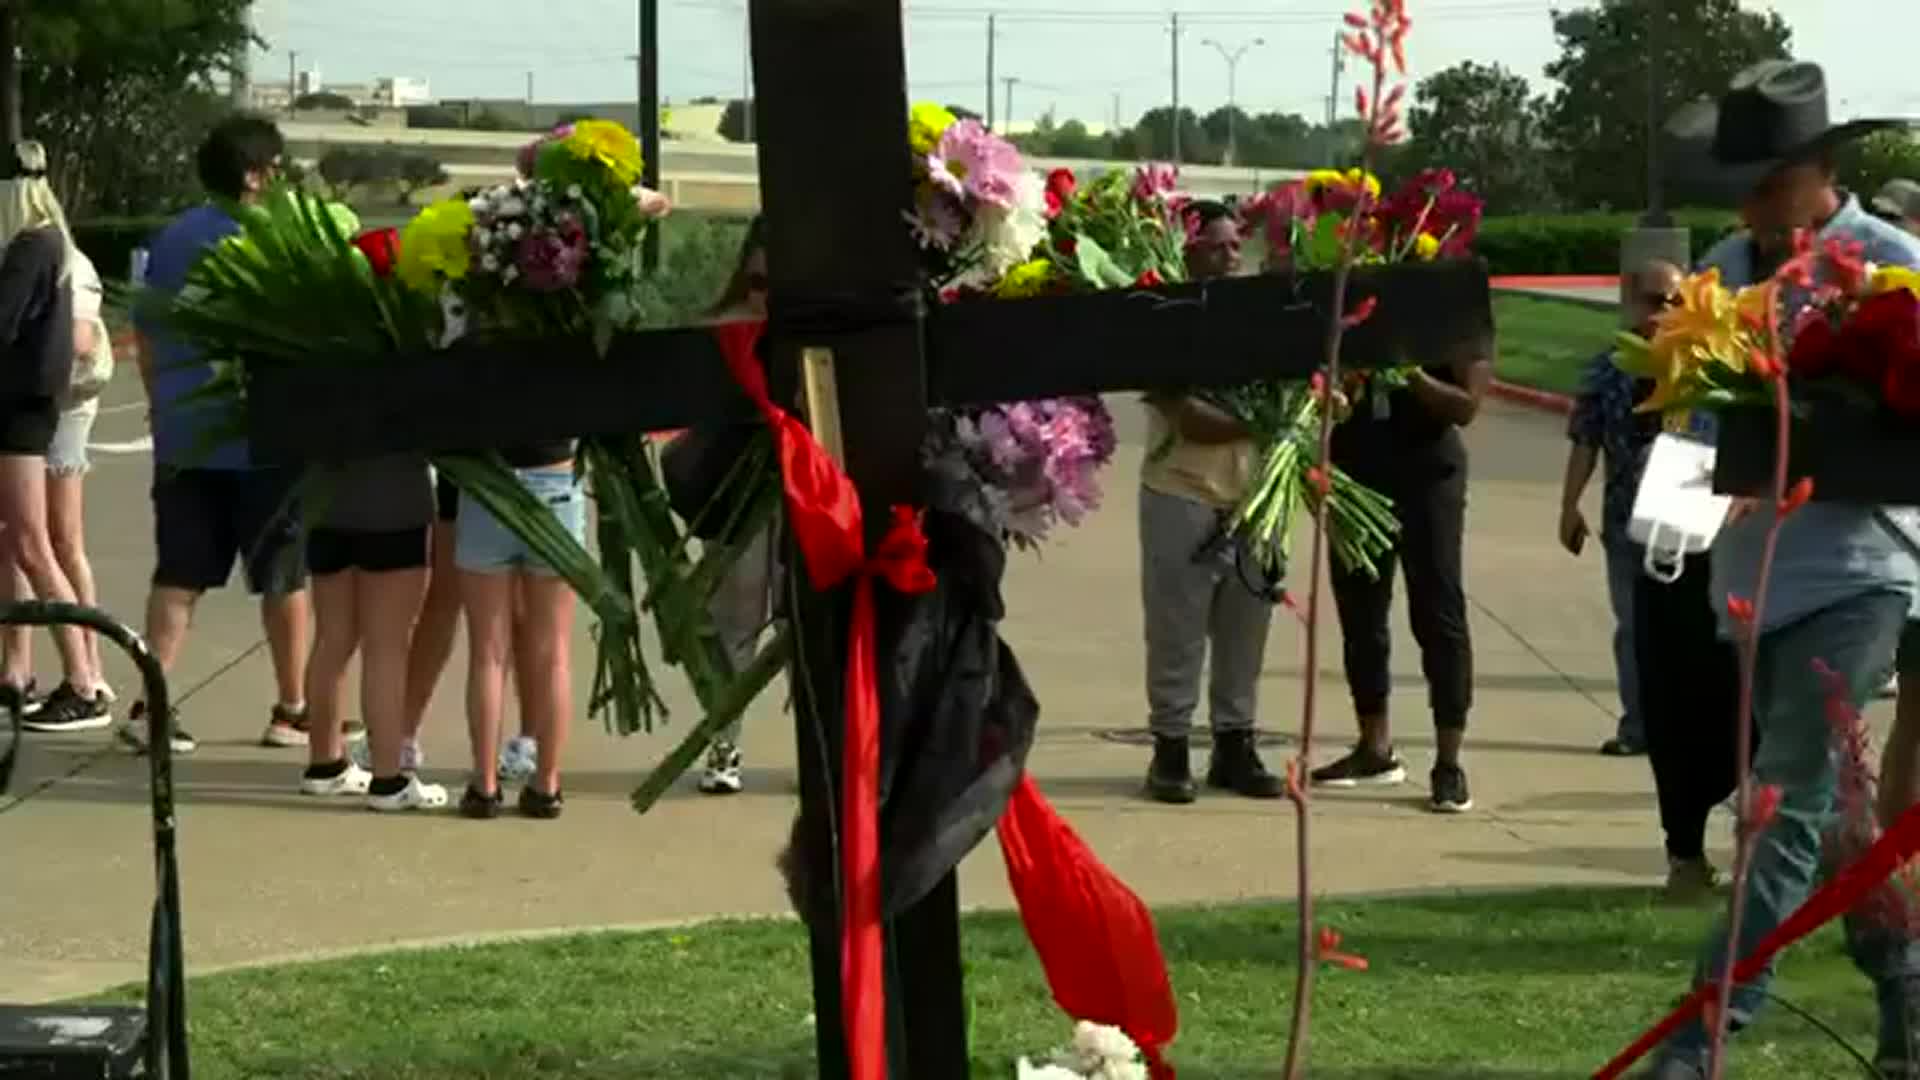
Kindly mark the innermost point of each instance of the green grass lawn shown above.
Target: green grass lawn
(1544, 342)
(1534, 985)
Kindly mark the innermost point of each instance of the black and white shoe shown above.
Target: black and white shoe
(1449, 794)
(722, 774)
(1362, 767)
(67, 709)
(133, 733)
(28, 700)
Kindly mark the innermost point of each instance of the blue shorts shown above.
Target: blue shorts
(484, 546)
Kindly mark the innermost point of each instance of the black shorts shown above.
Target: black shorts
(203, 519)
(26, 425)
(1908, 660)
(446, 498)
(330, 551)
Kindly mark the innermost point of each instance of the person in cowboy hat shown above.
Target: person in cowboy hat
(1899, 202)
(1844, 581)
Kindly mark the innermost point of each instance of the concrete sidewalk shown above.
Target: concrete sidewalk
(269, 874)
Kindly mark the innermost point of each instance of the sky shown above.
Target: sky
(1079, 58)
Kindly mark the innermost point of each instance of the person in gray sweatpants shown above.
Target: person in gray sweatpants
(1197, 593)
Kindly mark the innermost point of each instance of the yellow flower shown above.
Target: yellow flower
(1707, 328)
(609, 144)
(1026, 280)
(925, 126)
(1427, 247)
(1889, 278)
(434, 246)
(1352, 178)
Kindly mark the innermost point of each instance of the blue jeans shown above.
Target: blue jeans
(1623, 567)
(1856, 639)
(482, 544)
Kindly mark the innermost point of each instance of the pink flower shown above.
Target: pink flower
(1155, 180)
(971, 162)
(551, 258)
(530, 153)
(652, 203)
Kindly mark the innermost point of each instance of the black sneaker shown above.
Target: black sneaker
(1170, 776)
(67, 709)
(535, 803)
(479, 807)
(133, 733)
(1361, 767)
(1236, 767)
(28, 700)
(1450, 794)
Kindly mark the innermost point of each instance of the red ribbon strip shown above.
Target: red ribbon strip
(823, 511)
(1095, 938)
(1841, 893)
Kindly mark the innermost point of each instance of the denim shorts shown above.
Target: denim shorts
(67, 454)
(482, 545)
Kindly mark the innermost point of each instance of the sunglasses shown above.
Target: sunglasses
(1659, 301)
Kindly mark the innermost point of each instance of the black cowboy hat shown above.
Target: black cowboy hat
(1774, 114)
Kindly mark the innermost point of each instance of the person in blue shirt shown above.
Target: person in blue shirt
(211, 503)
(1844, 575)
(1604, 424)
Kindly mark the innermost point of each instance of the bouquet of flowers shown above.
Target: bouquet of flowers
(985, 222)
(1304, 224)
(1097, 1053)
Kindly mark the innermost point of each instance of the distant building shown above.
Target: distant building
(398, 91)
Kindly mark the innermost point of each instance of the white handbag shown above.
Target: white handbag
(1675, 512)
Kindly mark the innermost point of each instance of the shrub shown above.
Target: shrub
(1578, 243)
(697, 257)
(109, 242)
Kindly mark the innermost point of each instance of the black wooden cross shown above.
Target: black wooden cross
(836, 185)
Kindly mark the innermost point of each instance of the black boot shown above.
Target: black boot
(1237, 767)
(1170, 777)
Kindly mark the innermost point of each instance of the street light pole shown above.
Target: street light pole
(1656, 216)
(1233, 57)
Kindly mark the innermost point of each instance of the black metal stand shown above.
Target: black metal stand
(165, 1055)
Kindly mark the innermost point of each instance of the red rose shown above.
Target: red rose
(1902, 380)
(1815, 348)
(1060, 187)
(1880, 335)
(1150, 279)
(381, 247)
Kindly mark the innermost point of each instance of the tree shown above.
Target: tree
(1866, 165)
(961, 112)
(323, 99)
(345, 168)
(434, 117)
(1152, 139)
(490, 120)
(1484, 124)
(417, 172)
(1596, 121)
(734, 121)
(121, 93)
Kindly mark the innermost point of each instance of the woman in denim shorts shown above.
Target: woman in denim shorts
(519, 613)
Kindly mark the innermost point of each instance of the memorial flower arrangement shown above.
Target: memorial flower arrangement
(1852, 333)
(984, 220)
(1097, 1052)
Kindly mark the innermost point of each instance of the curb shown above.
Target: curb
(1551, 281)
(1544, 400)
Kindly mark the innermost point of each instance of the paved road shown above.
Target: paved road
(268, 874)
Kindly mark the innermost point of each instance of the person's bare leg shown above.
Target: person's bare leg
(169, 617)
(388, 604)
(23, 507)
(66, 527)
(432, 644)
(288, 622)
(488, 600)
(336, 637)
(542, 657)
(1900, 761)
(16, 639)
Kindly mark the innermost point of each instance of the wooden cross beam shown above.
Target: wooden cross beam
(836, 187)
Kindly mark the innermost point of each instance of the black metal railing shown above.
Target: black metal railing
(166, 1049)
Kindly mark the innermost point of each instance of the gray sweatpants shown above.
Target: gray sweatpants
(1191, 601)
(741, 605)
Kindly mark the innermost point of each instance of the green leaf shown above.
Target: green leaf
(1097, 266)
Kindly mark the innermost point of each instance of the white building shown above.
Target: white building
(397, 91)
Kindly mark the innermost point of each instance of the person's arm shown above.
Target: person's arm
(27, 275)
(1581, 460)
(1472, 364)
(1198, 422)
(86, 334)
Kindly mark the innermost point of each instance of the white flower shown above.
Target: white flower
(490, 262)
(482, 237)
(1029, 1071)
(509, 274)
(1109, 1044)
(1098, 1052)
(515, 231)
(573, 192)
(513, 206)
(477, 204)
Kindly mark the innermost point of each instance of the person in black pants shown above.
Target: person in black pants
(1690, 697)
(1407, 445)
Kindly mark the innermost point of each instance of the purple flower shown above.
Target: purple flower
(551, 257)
(973, 163)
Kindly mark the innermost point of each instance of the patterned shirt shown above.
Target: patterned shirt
(1603, 419)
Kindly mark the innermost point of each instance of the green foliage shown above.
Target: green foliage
(1596, 121)
(491, 120)
(434, 117)
(120, 92)
(1484, 124)
(348, 170)
(1865, 166)
(323, 99)
(1577, 243)
(109, 242)
(698, 254)
(734, 121)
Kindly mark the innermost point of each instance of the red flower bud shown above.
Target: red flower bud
(1400, 53)
(1797, 496)
(1330, 953)
(1764, 366)
(1356, 21)
(1317, 480)
(381, 247)
(1763, 805)
(1360, 100)
(1361, 312)
(1740, 609)
(1150, 279)
(1394, 96)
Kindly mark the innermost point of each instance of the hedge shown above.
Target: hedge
(1578, 243)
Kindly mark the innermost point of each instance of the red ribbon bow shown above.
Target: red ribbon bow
(823, 510)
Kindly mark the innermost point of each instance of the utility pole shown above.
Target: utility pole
(293, 78)
(1233, 58)
(746, 72)
(1011, 81)
(1116, 110)
(1176, 88)
(991, 36)
(1656, 216)
(649, 71)
(1333, 98)
(1655, 237)
(241, 80)
(530, 123)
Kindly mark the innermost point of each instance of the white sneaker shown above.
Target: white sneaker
(353, 781)
(722, 775)
(519, 759)
(415, 796)
(412, 758)
(1892, 689)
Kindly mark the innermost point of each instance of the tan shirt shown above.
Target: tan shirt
(1216, 474)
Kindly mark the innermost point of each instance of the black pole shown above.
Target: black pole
(11, 129)
(650, 118)
(1656, 216)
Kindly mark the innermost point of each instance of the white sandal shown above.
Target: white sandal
(415, 796)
